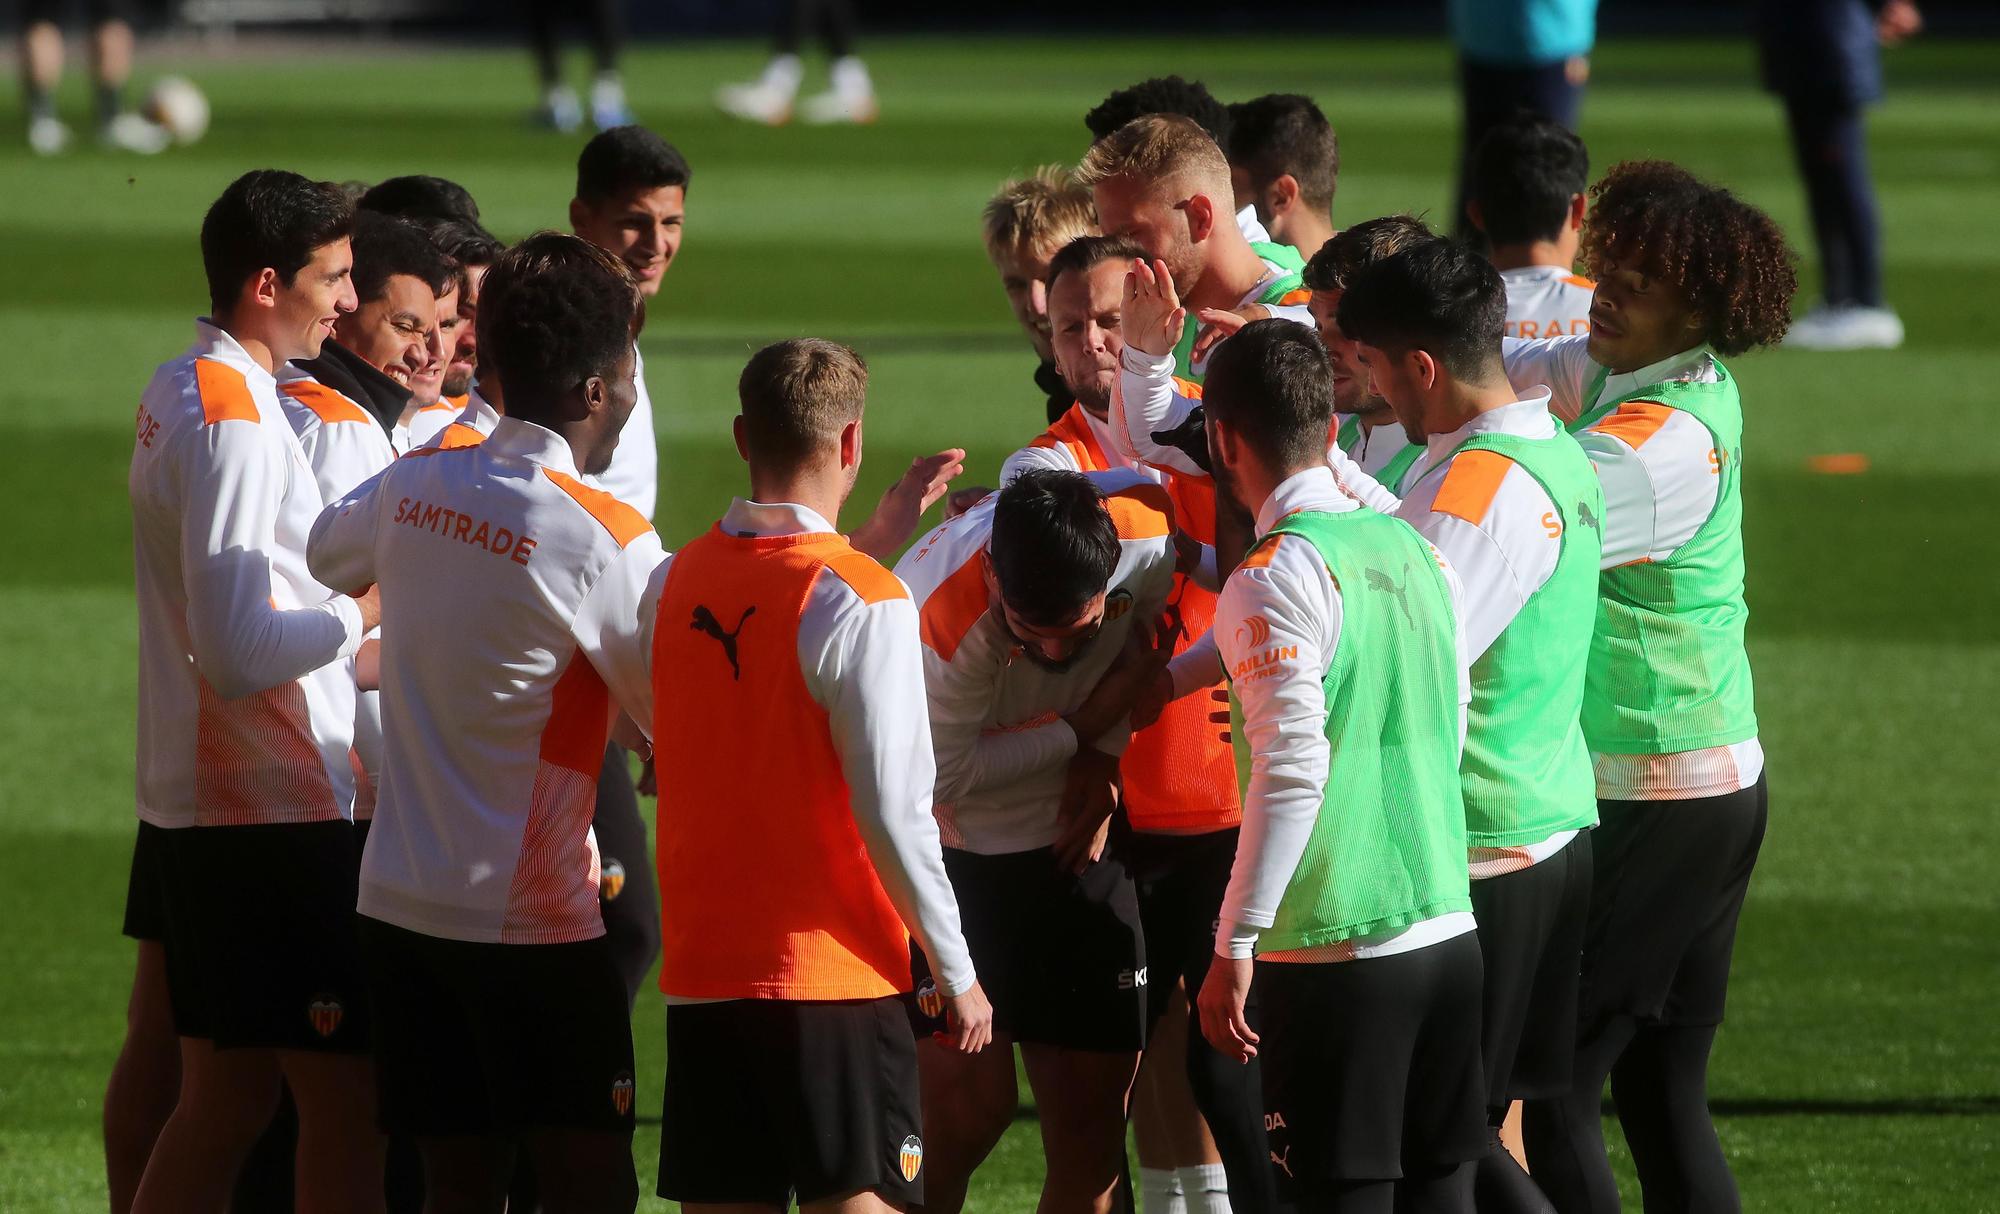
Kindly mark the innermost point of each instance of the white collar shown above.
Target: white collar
(1312, 489)
(212, 341)
(537, 444)
(765, 520)
(1527, 417)
(1253, 228)
(1690, 365)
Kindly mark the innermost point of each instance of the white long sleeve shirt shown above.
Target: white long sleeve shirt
(1296, 604)
(1547, 301)
(862, 663)
(513, 617)
(1659, 469)
(996, 716)
(473, 422)
(634, 474)
(246, 706)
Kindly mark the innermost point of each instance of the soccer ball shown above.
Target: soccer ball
(176, 104)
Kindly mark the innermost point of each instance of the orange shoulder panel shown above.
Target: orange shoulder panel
(624, 523)
(456, 436)
(327, 404)
(1470, 485)
(1635, 421)
(1260, 556)
(441, 403)
(1297, 295)
(866, 577)
(225, 393)
(1578, 280)
(1187, 388)
(953, 608)
(1141, 512)
(460, 401)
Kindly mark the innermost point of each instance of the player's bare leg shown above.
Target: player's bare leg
(968, 1101)
(584, 1171)
(1082, 1096)
(145, 1080)
(1170, 1130)
(341, 1149)
(227, 1098)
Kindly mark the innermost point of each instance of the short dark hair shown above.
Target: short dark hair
(1282, 133)
(625, 158)
(1524, 174)
(385, 246)
(1439, 297)
(1726, 257)
(420, 197)
(463, 240)
(1085, 252)
(268, 218)
(554, 311)
(1272, 385)
(1353, 249)
(1054, 546)
(1161, 95)
(796, 395)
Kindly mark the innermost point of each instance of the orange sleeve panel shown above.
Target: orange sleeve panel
(225, 394)
(866, 577)
(1141, 512)
(1260, 557)
(1470, 485)
(624, 523)
(327, 404)
(1635, 421)
(953, 608)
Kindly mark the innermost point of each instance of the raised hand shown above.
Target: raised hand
(1152, 318)
(903, 505)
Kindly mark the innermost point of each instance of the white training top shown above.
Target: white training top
(473, 422)
(1547, 301)
(512, 603)
(634, 474)
(1503, 549)
(996, 715)
(345, 445)
(1660, 487)
(423, 425)
(246, 708)
(1374, 448)
(1284, 718)
(861, 661)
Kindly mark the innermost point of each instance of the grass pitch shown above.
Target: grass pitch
(1860, 1069)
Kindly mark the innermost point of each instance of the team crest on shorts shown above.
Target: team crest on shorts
(929, 1000)
(611, 882)
(325, 1013)
(1117, 603)
(911, 1158)
(621, 1093)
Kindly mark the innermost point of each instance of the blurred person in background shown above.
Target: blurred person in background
(769, 98)
(561, 109)
(1284, 160)
(1823, 60)
(1516, 55)
(110, 68)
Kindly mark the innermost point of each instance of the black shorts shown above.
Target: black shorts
(1062, 958)
(1372, 1067)
(483, 1039)
(1668, 889)
(774, 1100)
(1180, 881)
(1531, 940)
(261, 944)
(146, 888)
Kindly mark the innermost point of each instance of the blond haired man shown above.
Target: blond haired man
(1024, 223)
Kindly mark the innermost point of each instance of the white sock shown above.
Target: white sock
(1160, 1192)
(1207, 1188)
(850, 77)
(782, 74)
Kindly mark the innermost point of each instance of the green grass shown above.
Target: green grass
(1861, 1066)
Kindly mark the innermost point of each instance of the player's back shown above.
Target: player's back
(1547, 301)
(496, 720)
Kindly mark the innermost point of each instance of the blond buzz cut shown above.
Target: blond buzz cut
(1165, 148)
(1039, 213)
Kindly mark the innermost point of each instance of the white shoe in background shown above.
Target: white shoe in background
(1846, 327)
(48, 135)
(608, 107)
(851, 99)
(561, 111)
(129, 132)
(769, 98)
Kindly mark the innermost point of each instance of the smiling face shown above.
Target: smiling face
(1084, 312)
(1351, 390)
(641, 226)
(465, 349)
(1636, 320)
(439, 343)
(318, 298)
(395, 334)
(1022, 271)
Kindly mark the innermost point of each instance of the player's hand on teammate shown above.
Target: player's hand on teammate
(368, 665)
(1083, 819)
(1153, 700)
(903, 505)
(370, 602)
(968, 1020)
(1152, 317)
(1147, 648)
(1219, 715)
(1221, 1005)
(1218, 325)
(962, 500)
